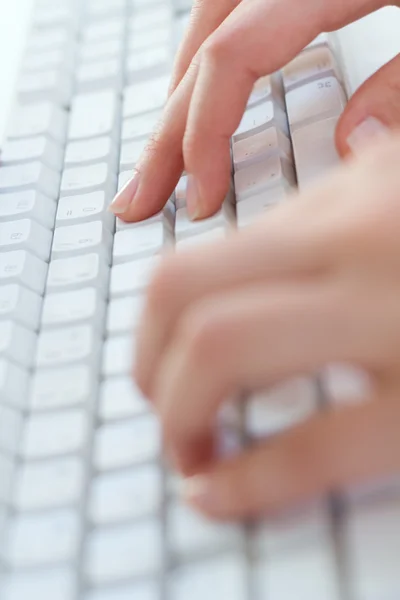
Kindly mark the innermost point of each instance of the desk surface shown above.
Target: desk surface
(366, 45)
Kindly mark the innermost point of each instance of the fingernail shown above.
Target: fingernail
(192, 198)
(198, 491)
(125, 197)
(369, 130)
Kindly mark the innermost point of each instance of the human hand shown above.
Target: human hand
(315, 283)
(209, 96)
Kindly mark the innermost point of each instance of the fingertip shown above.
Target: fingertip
(125, 197)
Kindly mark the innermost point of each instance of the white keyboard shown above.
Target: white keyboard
(87, 510)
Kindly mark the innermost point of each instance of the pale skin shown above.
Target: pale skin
(315, 282)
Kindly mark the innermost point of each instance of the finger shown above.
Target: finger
(257, 337)
(373, 109)
(330, 452)
(258, 38)
(161, 164)
(206, 16)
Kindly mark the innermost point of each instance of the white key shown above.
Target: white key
(99, 75)
(148, 63)
(104, 8)
(104, 29)
(132, 277)
(282, 407)
(268, 87)
(53, 434)
(255, 178)
(315, 150)
(124, 552)
(53, 15)
(323, 39)
(50, 484)
(140, 126)
(127, 443)
(70, 307)
(259, 117)
(146, 96)
(57, 584)
(225, 575)
(140, 242)
(40, 540)
(126, 495)
(51, 39)
(372, 537)
(17, 303)
(81, 208)
(124, 314)
(319, 99)
(26, 234)
(39, 119)
(185, 227)
(147, 19)
(28, 205)
(6, 478)
(131, 152)
(119, 355)
(33, 176)
(309, 65)
(10, 429)
(140, 591)
(93, 115)
(53, 84)
(207, 237)
(62, 58)
(191, 534)
(62, 388)
(261, 146)
(17, 343)
(149, 38)
(75, 273)
(91, 150)
(62, 346)
(249, 211)
(19, 266)
(41, 148)
(121, 399)
(102, 50)
(13, 384)
(76, 180)
(79, 239)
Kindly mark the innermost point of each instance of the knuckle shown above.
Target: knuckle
(216, 49)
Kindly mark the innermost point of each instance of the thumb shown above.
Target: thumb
(373, 109)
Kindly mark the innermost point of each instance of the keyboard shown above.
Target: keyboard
(88, 509)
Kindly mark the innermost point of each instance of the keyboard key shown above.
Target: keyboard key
(186, 228)
(100, 75)
(73, 210)
(127, 443)
(312, 64)
(28, 205)
(120, 399)
(258, 118)
(13, 384)
(82, 238)
(206, 237)
(124, 314)
(118, 356)
(70, 307)
(6, 478)
(147, 19)
(76, 180)
(112, 48)
(146, 96)
(30, 176)
(39, 119)
(62, 58)
(21, 267)
(132, 277)
(40, 540)
(249, 211)
(126, 495)
(52, 84)
(140, 126)
(53, 434)
(268, 87)
(93, 115)
(225, 575)
(139, 591)
(139, 242)
(148, 38)
(148, 63)
(255, 178)
(115, 554)
(17, 344)
(100, 149)
(261, 146)
(104, 29)
(57, 584)
(131, 152)
(319, 99)
(63, 388)
(10, 429)
(62, 346)
(280, 408)
(25, 234)
(17, 303)
(49, 484)
(77, 272)
(41, 148)
(191, 534)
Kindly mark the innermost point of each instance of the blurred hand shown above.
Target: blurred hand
(316, 282)
(229, 45)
